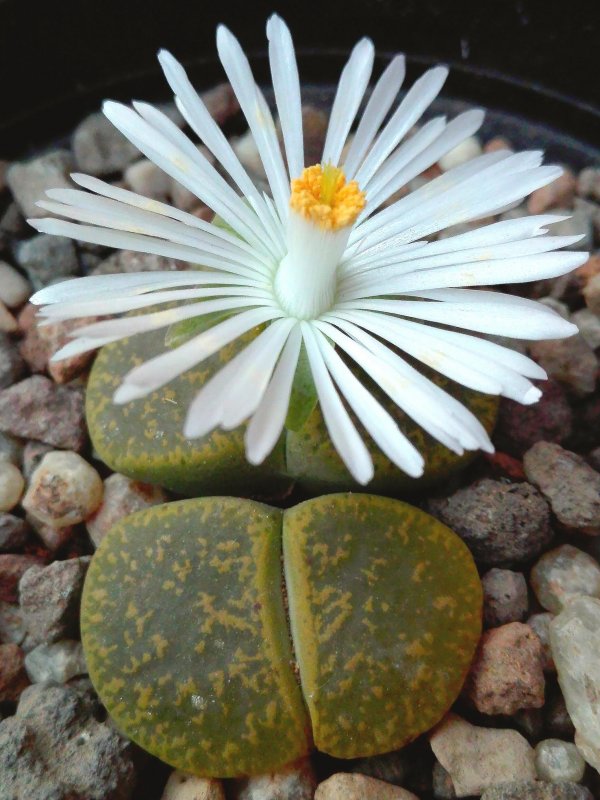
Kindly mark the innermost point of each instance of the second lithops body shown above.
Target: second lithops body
(225, 636)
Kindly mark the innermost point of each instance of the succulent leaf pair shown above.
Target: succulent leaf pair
(226, 636)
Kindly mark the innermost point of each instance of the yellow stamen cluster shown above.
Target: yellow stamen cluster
(322, 195)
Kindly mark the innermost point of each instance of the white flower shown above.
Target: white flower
(321, 263)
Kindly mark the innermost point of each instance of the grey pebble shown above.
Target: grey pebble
(36, 408)
(12, 366)
(46, 258)
(569, 484)
(504, 597)
(502, 524)
(14, 532)
(100, 148)
(537, 791)
(11, 449)
(28, 181)
(55, 749)
(50, 598)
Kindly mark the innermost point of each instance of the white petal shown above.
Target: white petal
(535, 321)
(403, 169)
(148, 204)
(117, 305)
(267, 423)
(345, 437)
(483, 273)
(88, 208)
(241, 383)
(434, 409)
(124, 240)
(476, 363)
(376, 420)
(257, 114)
(418, 98)
(398, 385)
(161, 369)
(197, 174)
(420, 261)
(97, 334)
(126, 283)
(286, 86)
(349, 94)
(406, 153)
(380, 102)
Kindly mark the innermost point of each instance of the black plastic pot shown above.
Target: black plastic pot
(535, 61)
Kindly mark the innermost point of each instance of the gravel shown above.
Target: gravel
(569, 484)
(502, 524)
(50, 598)
(542, 484)
(507, 673)
(37, 408)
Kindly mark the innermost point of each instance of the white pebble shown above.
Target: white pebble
(557, 761)
(14, 289)
(146, 178)
(11, 485)
(58, 662)
(465, 151)
(64, 489)
(182, 786)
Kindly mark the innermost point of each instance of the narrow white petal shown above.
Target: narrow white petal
(197, 174)
(476, 363)
(240, 385)
(376, 420)
(380, 102)
(124, 240)
(163, 368)
(156, 207)
(286, 85)
(418, 98)
(470, 175)
(117, 305)
(434, 409)
(254, 373)
(402, 168)
(397, 384)
(406, 265)
(104, 287)
(87, 208)
(97, 334)
(267, 423)
(345, 437)
(406, 153)
(257, 113)
(349, 94)
(484, 273)
(536, 321)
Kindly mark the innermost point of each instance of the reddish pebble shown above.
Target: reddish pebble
(558, 194)
(13, 678)
(12, 569)
(507, 674)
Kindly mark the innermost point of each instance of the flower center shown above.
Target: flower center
(321, 195)
(323, 208)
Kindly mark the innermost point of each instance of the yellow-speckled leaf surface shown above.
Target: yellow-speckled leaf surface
(314, 463)
(385, 612)
(186, 639)
(144, 438)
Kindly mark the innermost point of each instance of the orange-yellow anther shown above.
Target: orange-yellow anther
(322, 195)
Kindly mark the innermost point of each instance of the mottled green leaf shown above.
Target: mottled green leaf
(304, 395)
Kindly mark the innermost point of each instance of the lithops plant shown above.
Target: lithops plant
(226, 636)
(144, 439)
